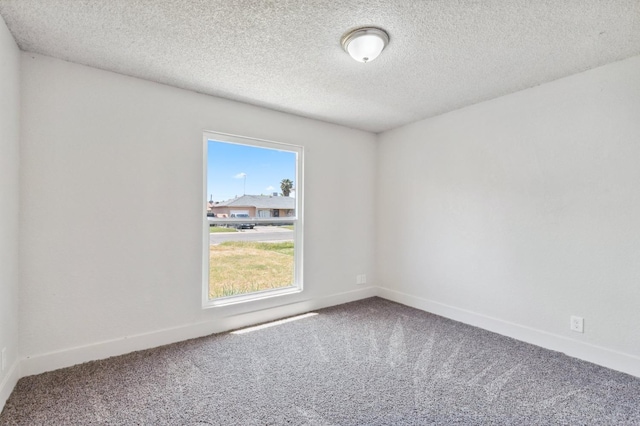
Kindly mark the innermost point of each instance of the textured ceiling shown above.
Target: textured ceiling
(286, 54)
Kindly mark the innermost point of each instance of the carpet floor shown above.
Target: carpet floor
(371, 362)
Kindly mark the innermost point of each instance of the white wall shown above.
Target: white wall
(111, 185)
(519, 212)
(9, 202)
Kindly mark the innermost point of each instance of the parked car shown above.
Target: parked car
(247, 225)
(211, 218)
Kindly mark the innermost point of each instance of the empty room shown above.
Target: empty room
(319, 212)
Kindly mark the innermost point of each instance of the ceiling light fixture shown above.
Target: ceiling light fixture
(365, 44)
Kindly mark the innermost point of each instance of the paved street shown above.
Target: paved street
(259, 233)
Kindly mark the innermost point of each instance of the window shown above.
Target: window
(252, 219)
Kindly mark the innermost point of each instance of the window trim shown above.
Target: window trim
(297, 285)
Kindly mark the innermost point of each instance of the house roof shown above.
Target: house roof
(286, 55)
(259, 202)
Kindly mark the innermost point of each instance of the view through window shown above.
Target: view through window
(253, 227)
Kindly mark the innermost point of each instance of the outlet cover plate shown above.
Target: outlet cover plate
(577, 324)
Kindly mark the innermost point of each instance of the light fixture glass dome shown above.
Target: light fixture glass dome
(365, 44)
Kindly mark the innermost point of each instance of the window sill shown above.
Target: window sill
(250, 297)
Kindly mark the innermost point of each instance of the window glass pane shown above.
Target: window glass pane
(250, 260)
(260, 174)
(251, 194)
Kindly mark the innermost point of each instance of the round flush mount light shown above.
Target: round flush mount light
(365, 44)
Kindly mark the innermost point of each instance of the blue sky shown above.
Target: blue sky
(264, 169)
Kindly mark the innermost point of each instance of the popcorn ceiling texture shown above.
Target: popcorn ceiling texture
(286, 54)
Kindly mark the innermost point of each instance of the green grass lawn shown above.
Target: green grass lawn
(217, 229)
(238, 267)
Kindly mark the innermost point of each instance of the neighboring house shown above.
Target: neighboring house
(262, 206)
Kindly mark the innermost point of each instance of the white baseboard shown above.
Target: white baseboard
(8, 383)
(614, 360)
(67, 357)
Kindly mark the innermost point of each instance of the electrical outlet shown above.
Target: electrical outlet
(361, 279)
(577, 324)
(4, 358)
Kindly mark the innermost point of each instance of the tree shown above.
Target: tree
(286, 185)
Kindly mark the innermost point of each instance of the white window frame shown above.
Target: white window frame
(297, 285)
